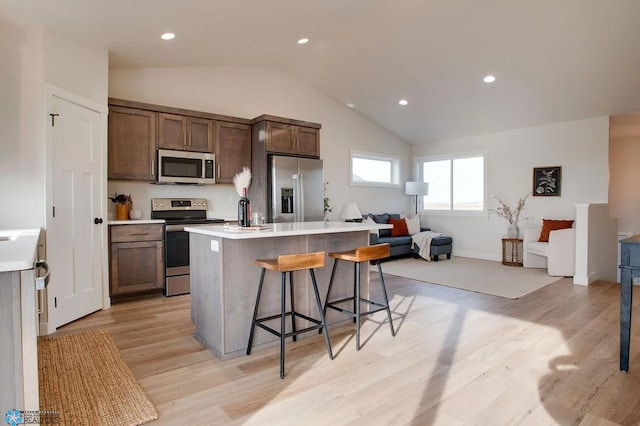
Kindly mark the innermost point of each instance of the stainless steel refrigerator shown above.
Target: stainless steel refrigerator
(296, 189)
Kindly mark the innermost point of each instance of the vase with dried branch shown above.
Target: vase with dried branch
(511, 215)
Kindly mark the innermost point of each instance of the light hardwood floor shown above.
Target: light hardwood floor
(459, 357)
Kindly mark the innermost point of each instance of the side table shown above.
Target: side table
(512, 251)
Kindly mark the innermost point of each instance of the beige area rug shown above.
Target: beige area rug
(84, 379)
(481, 276)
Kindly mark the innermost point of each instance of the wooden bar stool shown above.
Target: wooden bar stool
(283, 264)
(360, 254)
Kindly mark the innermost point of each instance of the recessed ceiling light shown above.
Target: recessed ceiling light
(351, 105)
(489, 79)
(403, 102)
(303, 41)
(168, 36)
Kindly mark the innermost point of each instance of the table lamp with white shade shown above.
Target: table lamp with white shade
(351, 213)
(416, 189)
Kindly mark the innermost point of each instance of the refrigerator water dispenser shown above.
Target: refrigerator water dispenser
(287, 200)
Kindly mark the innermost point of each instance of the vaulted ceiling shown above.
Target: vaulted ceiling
(554, 60)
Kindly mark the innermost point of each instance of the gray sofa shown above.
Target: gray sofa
(401, 246)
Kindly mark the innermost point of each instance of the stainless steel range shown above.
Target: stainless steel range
(178, 213)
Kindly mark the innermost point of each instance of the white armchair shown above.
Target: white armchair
(558, 255)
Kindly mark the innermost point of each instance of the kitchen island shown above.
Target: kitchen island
(224, 279)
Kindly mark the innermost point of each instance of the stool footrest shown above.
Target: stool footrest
(353, 314)
(318, 325)
(346, 299)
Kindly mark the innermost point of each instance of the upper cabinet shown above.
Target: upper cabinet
(289, 137)
(185, 133)
(233, 149)
(132, 143)
(137, 129)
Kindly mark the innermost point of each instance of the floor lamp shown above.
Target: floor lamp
(416, 189)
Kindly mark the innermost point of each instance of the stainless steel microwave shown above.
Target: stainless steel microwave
(186, 167)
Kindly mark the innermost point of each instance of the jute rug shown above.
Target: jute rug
(83, 378)
(481, 276)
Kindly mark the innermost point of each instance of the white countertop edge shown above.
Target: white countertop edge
(285, 229)
(21, 251)
(134, 222)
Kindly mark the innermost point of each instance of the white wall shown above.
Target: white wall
(77, 67)
(624, 151)
(32, 55)
(596, 244)
(248, 92)
(580, 147)
(21, 126)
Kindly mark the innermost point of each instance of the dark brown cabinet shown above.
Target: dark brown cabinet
(233, 150)
(288, 137)
(185, 133)
(137, 129)
(136, 258)
(132, 143)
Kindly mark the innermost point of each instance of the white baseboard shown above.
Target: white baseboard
(45, 329)
(585, 279)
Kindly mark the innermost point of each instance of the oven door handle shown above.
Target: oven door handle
(174, 228)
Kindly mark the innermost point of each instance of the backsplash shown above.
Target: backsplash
(222, 198)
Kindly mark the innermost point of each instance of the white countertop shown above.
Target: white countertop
(18, 249)
(134, 222)
(284, 229)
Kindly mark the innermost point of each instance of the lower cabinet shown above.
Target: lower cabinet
(136, 258)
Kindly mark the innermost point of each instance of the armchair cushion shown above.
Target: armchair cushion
(549, 225)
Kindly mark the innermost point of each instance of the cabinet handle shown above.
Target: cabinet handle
(189, 138)
(153, 168)
(139, 234)
(184, 138)
(218, 167)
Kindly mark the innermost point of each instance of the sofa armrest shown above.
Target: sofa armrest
(562, 241)
(561, 254)
(373, 238)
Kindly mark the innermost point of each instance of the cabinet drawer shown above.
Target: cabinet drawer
(125, 233)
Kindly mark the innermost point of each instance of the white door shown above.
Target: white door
(74, 241)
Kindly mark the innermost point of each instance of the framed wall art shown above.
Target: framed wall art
(546, 181)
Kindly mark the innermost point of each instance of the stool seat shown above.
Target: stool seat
(293, 262)
(286, 264)
(363, 254)
(356, 256)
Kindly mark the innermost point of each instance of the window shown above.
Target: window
(374, 169)
(456, 182)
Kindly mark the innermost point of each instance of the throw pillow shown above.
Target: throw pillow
(549, 225)
(370, 221)
(399, 227)
(382, 218)
(413, 224)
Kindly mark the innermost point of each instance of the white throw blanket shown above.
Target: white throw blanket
(423, 241)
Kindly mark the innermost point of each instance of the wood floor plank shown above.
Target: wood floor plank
(458, 358)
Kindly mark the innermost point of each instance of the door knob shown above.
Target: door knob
(97, 220)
